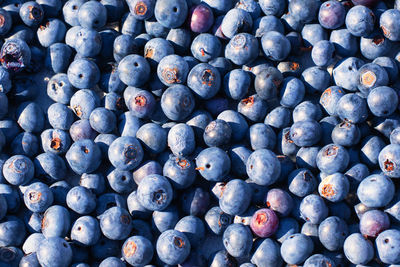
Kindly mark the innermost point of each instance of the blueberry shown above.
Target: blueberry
(84, 156)
(229, 192)
(332, 233)
(164, 220)
(31, 13)
(360, 20)
(265, 24)
(386, 245)
(81, 200)
(279, 52)
(193, 228)
(253, 108)
(334, 187)
(217, 221)
(306, 110)
(83, 73)
(292, 92)
(18, 170)
(141, 9)
(115, 223)
(92, 14)
(205, 47)
(390, 29)
(213, 164)
(54, 250)
(323, 53)
(267, 252)
(204, 80)
(86, 231)
(171, 14)
(173, 247)
(263, 167)
(261, 136)
(70, 11)
(312, 34)
(380, 190)
(301, 182)
(195, 201)
(125, 153)
(375, 45)
(155, 50)
(235, 21)
(237, 240)
(137, 75)
(56, 222)
(242, 49)
(279, 201)
(294, 253)
(38, 197)
(331, 15)
(382, 101)
(236, 84)
(305, 133)
(264, 223)
(181, 139)
(332, 158)
(137, 250)
(317, 260)
(267, 82)
(154, 192)
(313, 209)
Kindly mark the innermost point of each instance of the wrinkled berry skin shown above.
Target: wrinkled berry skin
(15, 55)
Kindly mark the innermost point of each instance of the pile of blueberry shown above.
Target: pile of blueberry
(199, 133)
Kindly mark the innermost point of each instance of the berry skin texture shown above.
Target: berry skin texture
(215, 133)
